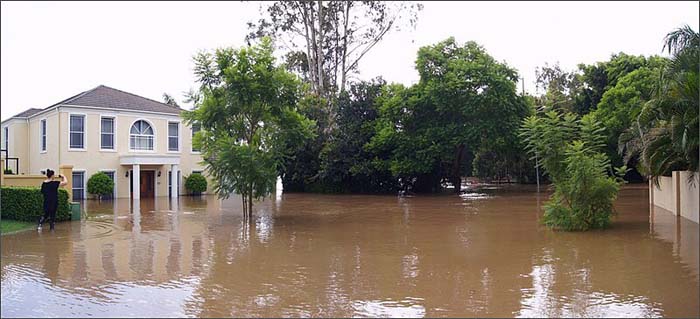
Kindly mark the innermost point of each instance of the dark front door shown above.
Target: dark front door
(147, 184)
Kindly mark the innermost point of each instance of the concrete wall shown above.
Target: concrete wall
(37, 180)
(690, 198)
(676, 195)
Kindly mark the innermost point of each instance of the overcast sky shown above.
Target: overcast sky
(51, 51)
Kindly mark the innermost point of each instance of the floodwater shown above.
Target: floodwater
(308, 255)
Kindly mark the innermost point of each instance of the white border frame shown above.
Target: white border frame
(114, 133)
(85, 143)
(179, 137)
(192, 141)
(6, 139)
(43, 121)
(155, 136)
(85, 177)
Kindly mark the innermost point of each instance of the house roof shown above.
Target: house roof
(27, 113)
(110, 98)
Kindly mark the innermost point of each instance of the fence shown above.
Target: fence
(678, 193)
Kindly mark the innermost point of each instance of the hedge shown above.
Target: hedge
(196, 183)
(27, 204)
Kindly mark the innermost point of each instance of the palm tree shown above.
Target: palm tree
(666, 134)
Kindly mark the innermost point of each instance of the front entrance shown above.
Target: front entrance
(147, 184)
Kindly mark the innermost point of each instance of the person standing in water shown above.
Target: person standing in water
(49, 188)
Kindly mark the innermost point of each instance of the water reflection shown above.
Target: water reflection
(326, 255)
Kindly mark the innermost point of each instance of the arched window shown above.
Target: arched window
(141, 136)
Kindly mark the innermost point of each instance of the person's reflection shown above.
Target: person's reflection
(52, 260)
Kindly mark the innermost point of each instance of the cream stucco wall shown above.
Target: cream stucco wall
(17, 146)
(676, 195)
(25, 143)
(664, 193)
(39, 160)
(690, 193)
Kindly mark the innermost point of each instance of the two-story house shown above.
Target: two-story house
(142, 144)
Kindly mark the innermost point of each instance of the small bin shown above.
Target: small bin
(75, 211)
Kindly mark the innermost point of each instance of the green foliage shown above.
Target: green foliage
(465, 101)
(27, 204)
(8, 171)
(665, 135)
(196, 183)
(345, 164)
(246, 106)
(100, 184)
(570, 151)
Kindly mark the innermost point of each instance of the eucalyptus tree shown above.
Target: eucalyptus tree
(326, 40)
(246, 108)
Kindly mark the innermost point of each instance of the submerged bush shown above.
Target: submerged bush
(196, 183)
(571, 153)
(100, 184)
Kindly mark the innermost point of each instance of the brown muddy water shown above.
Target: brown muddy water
(306, 255)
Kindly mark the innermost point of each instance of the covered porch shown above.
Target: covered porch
(144, 173)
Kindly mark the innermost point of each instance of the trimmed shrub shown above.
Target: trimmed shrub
(100, 184)
(27, 204)
(196, 183)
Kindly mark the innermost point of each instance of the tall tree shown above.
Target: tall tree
(246, 107)
(328, 39)
(464, 98)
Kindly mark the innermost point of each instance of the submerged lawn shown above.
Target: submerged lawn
(10, 226)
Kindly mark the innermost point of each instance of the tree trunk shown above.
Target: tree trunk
(319, 48)
(344, 57)
(456, 176)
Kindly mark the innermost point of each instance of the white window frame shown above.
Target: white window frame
(84, 171)
(179, 137)
(43, 142)
(114, 133)
(155, 137)
(6, 136)
(70, 148)
(192, 151)
(111, 170)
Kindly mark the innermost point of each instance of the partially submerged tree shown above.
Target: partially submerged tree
(465, 101)
(571, 152)
(246, 108)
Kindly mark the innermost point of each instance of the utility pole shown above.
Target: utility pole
(537, 172)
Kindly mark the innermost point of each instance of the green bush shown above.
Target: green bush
(570, 151)
(100, 184)
(27, 204)
(8, 171)
(196, 183)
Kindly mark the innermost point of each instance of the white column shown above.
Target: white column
(136, 181)
(174, 182)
